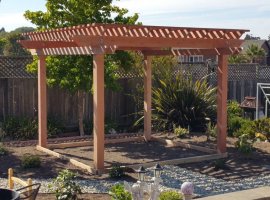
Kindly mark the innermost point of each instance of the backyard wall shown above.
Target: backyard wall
(18, 94)
(19, 98)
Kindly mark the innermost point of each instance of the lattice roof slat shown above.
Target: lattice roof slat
(106, 38)
(101, 28)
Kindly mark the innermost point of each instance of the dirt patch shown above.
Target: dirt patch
(130, 153)
(235, 167)
(122, 153)
(238, 165)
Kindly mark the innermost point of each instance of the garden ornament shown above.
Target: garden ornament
(187, 189)
(136, 190)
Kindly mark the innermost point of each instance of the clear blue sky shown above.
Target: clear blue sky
(246, 14)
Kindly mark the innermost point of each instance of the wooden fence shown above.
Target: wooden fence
(18, 95)
(19, 98)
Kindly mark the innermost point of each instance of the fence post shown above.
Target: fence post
(29, 183)
(10, 181)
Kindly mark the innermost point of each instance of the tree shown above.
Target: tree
(8, 42)
(239, 58)
(12, 48)
(2, 45)
(75, 73)
(251, 37)
(255, 53)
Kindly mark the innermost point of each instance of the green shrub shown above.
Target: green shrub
(247, 128)
(211, 130)
(180, 132)
(116, 172)
(118, 192)
(262, 127)
(11, 127)
(234, 109)
(27, 128)
(234, 124)
(3, 150)
(88, 127)
(30, 161)
(244, 144)
(220, 164)
(180, 101)
(20, 128)
(55, 127)
(64, 186)
(170, 195)
(110, 125)
(260, 137)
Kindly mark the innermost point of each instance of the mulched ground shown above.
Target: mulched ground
(123, 153)
(130, 153)
(235, 167)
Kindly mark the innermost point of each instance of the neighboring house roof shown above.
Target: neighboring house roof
(259, 43)
(15, 67)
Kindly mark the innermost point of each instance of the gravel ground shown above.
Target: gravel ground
(172, 177)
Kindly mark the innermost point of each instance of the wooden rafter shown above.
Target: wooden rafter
(119, 30)
(107, 38)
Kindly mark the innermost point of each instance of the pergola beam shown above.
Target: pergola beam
(159, 42)
(46, 44)
(189, 52)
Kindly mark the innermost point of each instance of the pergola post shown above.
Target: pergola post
(147, 97)
(98, 108)
(42, 102)
(222, 88)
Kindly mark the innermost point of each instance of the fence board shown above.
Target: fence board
(18, 96)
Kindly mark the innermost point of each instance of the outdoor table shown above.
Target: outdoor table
(7, 194)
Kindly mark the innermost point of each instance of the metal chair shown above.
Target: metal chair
(29, 192)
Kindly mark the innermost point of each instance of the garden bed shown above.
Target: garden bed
(122, 154)
(238, 165)
(235, 168)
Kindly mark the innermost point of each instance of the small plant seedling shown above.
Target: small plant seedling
(170, 195)
(65, 187)
(3, 150)
(118, 192)
(181, 132)
(31, 161)
(220, 164)
(116, 172)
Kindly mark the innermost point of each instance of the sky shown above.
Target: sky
(253, 15)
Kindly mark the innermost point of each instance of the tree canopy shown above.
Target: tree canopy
(255, 53)
(8, 42)
(252, 37)
(75, 72)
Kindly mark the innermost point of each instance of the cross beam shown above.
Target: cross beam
(122, 41)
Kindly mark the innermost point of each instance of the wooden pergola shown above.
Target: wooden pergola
(101, 39)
